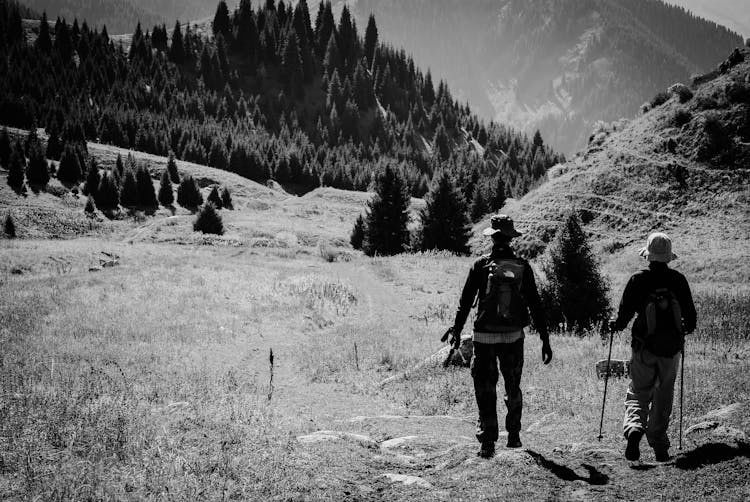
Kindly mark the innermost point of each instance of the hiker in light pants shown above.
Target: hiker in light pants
(504, 287)
(660, 299)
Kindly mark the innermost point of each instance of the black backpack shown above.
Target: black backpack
(663, 314)
(503, 308)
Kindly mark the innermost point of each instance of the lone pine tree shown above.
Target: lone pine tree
(209, 220)
(445, 224)
(575, 291)
(174, 174)
(107, 198)
(145, 189)
(388, 215)
(9, 227)
(129, 190)
(92, 179)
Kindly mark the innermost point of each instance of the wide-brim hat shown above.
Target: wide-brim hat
(658, 248)
(502, 224)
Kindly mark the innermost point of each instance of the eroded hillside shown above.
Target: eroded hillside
(681, 167)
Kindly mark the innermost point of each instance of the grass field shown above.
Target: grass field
(151, 379)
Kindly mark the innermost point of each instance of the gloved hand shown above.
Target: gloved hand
(546, 351)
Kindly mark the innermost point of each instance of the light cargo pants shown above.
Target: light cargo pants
(648, 404)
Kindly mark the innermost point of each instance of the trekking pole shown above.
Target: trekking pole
(606, 379)
(682, 387)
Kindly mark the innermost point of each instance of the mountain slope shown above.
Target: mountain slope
(551, 64)
(682, 167)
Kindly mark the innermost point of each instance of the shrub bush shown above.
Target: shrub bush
(209, 220)
(683, 93)
(9, 227)
(681, 117)
(659, 100)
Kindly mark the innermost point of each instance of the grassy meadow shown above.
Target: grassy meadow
(152, 380)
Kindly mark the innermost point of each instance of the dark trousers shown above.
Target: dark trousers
(484, 371)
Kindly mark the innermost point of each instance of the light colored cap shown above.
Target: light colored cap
(658, 248)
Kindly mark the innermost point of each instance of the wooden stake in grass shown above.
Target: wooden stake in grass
(356, 356)
(270, 379)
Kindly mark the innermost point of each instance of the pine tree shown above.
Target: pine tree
(498, 194)
(174, 174)
(188, 194)
(218, 157)
(576, 292)
(37, 170)
(221, 24)
(54, 146)
(214, 197)
(441, 143)
(358, 233)
(9, 227)
(332, 59)
(445, 224)
(166, 191)
(43, 40)
(145, 189)
(388, 215)
(177, 53)
(119, 166)
(69, 170)
(92, 179)
(371, 40)
(291, 65)
(5, 148)
(129, 190)
(226, 199)
(479, 205)
(107, 198)
(209, 221)
(16, 169)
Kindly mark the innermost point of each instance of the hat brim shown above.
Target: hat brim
(492, 231)
(660, 257)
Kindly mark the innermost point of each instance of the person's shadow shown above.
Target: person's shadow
(711, 453)
(566, 473)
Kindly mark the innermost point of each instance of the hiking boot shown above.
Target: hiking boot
(662, 454)
(633, 451)
(514, 440)
(487, 450)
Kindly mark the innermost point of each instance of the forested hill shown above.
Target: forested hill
(263, 92)
(120, 16)
(557, 65)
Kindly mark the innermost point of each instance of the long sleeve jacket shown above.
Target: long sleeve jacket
(636, 297)
(476, 285)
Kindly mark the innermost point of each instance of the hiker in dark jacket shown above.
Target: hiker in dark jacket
(505, 290)
(660, 299)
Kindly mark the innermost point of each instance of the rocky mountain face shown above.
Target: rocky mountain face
(555, 65)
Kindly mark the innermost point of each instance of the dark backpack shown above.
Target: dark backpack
(663, 314)
(503, 307)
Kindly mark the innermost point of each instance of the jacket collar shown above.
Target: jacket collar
(502, 252)
(658, 265)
